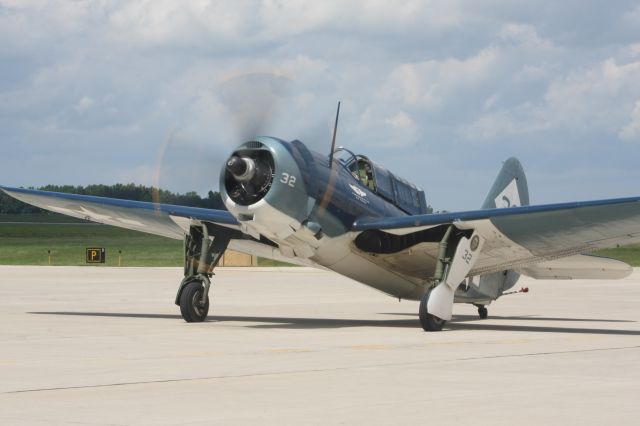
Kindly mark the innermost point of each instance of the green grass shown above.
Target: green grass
(628, 254)
(27, 244)
(26, 240)
(270, 262)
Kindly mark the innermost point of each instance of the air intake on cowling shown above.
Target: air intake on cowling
(254, 145)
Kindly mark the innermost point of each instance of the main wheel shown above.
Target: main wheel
(191, 307)
(428, 321)
(483, 312)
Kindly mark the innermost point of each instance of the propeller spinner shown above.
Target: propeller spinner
(248, 175)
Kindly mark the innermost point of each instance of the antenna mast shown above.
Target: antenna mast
(333, 139)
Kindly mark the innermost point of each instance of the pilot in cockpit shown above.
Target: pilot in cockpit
(366, 175)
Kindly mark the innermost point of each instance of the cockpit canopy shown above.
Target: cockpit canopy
(401, 193)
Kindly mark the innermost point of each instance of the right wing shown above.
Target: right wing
(152, 218)
(166, 220)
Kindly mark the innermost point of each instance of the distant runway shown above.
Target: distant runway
(107, 346)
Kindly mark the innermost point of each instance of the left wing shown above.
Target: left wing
(517, 237)
(152, 218)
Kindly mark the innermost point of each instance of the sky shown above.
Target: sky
(439, 92)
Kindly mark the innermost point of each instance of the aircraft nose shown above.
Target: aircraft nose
(241, 168)
(236, 166)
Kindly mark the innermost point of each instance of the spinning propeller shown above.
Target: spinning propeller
(251, 101)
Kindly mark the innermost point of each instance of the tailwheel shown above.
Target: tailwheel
(483, 312)
(428, 321)
(192, 307)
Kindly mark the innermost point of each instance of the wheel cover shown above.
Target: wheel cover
(196, 304)
(437, 320)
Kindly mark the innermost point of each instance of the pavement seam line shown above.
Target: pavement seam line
(275, 373)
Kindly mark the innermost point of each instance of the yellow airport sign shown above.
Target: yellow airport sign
(96, 255)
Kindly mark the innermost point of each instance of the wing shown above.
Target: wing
(516, 238)
(159, 219)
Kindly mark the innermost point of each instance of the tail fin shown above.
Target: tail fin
(509, 190)
(510, 187)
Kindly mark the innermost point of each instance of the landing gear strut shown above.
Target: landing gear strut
(458, 251)
(201, 255)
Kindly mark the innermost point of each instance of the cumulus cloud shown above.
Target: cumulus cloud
(104, 83)
(631, 131)
(526, 36)
(432, 83)
(633, 15)
(596, 98)
(256, 22)
(401, 121)
(84, 104)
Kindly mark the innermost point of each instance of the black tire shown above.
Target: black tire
(428, 321)
(483, 312)
(190, 303)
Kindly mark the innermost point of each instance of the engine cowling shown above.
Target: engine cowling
(261, 185)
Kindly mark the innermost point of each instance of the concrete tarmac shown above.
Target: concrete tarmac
(107, 346)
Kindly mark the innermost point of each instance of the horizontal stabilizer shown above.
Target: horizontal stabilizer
(577, 268)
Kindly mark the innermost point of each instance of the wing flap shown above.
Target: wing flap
(579, 267)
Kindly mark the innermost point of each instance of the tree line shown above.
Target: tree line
(130, 191)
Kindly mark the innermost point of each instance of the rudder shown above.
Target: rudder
(510, 188)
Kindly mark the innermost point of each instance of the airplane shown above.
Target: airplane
(346, 213)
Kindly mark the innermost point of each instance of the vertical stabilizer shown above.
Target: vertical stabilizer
(510, 187)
